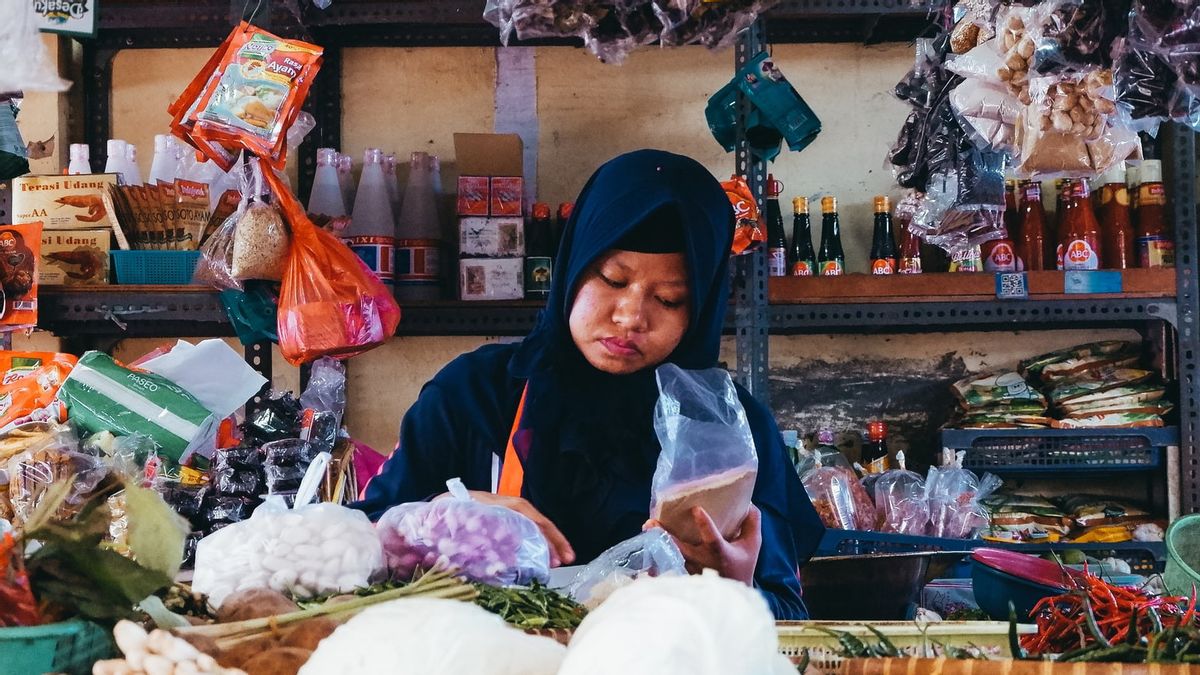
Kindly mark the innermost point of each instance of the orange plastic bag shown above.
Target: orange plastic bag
(27, 394)
(330, 304)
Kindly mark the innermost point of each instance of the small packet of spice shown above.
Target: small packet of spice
(169, 207)
(193, 203)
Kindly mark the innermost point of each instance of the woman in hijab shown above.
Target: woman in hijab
(641, 279)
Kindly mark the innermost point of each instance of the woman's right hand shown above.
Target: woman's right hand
(561, 552)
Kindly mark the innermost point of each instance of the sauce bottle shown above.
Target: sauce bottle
(372, 230)
(1012, 215)
(539, 253)
(418, 232)
(1155, 248)
(326, 196)
(1062, 205)
(801, 258)
(909, 261)
(777, 246)
(1081, 238)
(1116, 222)
(831, 261)
(1033, 244)
(999, 255)
(883, 243)
(875, 458)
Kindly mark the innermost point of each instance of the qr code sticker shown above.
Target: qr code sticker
(1011, 286)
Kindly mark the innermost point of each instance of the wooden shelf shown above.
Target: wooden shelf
(946, 287)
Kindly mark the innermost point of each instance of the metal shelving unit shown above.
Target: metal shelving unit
(133, 24)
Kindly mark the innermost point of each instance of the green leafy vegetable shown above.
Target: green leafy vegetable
(531, 608)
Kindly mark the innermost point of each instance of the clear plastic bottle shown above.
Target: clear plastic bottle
(419, 235)
(346, 180)
(372, 230)
(326, 198)
(164, 167)
(115, 161)
(131, 165)
(80, 160)
(393, 185)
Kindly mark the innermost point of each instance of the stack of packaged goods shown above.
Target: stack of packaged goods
(1078, 518)
(1099, 385)
(999, 400)
(491, 237)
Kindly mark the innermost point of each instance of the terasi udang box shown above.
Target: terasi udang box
(74, 258)
(63, 202)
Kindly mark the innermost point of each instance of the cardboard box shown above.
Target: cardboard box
(507, 196)
(74, 257)
(491, 237)
(474, 195)
(63, 202)
(491, 279)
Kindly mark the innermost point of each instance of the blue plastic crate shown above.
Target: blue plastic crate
(1057, 450)
(167, 268)
(1143, 557)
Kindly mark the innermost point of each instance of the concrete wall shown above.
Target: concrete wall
(415, 99)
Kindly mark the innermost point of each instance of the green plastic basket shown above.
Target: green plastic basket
(69, 647)
(1182, 574)
(155, 267)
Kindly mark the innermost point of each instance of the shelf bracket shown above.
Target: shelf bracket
(751, 320)
(1181, 149)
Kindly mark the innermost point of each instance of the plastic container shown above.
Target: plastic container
(823, 648)
(69, 647)
(994, 590)
(1056, 450)
(1182, 574)
(166, 268)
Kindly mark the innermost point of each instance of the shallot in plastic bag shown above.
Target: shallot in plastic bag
(484, 543)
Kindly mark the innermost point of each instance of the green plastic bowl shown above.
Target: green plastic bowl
(1182, 574)
(69, 647)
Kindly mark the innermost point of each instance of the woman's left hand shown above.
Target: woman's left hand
(732, 559)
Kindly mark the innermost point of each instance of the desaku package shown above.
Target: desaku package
(63, 202)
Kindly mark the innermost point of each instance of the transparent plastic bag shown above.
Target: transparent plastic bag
(480, 542)
(27, 67)
(840, 499)
(312, 550)
(650, 554)
(1142, 81)
(1070, 130)
(901, 502)
(1015, 45)
(1071, 35)
(708, 457)
(987, 112)
(215, 267)
(954, 495)
(260, 244)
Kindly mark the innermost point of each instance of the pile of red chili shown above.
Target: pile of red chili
(1098, 613)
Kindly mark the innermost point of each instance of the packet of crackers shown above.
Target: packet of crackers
(247, 96)
(748, 228)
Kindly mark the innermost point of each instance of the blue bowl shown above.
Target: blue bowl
(995, 589)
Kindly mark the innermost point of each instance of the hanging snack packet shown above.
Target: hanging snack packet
(20, 251)
(839, 498)
(263, 80)
(747, 225)
(988, 389)
(900, 501)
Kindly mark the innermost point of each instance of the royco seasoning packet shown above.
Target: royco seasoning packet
(74, 258)
(63, 202)
(103, 395)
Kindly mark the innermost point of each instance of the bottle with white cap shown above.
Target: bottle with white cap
(346, 180)
(1116, 219)
(1154, 243)
(80, 156)
(372, 230)
(389, 178)
(419, 235)
(133, 174)
(326, 196)
(115, 162)
(164, 168)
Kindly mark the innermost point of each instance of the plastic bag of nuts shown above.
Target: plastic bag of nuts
(1016, 47)
(1066, 131)
(260, 244)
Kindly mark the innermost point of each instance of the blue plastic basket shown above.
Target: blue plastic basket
(1056, 450)
(170, 268)
(70, 647)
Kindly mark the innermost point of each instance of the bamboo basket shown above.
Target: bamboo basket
(915, 666)
(795, 637)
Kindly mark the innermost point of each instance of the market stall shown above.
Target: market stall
(180, 512)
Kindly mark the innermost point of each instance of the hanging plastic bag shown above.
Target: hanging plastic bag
(954, 495)
(839, 498)
(708, 457)
(324, 403)
(27, 67)
(483, 543)
(260, 238)
(901, 502)
(215, 267)
(13, 156)
(1070, 35)
(748, 229)
(650, 554)
(330, 304)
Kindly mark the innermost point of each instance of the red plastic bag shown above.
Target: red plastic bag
(17, 606)
(330, 304)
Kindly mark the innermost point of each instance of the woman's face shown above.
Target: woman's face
(631, 310)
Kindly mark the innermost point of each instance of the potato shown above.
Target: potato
(256, 603)
(278, 661)
(309, 633)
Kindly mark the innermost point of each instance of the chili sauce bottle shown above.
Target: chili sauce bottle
(1081, 239)
(1116, 222)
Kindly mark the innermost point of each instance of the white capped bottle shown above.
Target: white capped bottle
(115, 161)
(393, 186)
(80, 156)
(346, 180)
(164, 168)
(133, 172)
(326, 197)
(372, 233)
(419, 235)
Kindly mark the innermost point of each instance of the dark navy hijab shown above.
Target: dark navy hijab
(586, 435)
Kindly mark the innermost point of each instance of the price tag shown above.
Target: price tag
(1092, 281)
(1012, 286)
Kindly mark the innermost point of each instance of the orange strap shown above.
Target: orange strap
(512, 474)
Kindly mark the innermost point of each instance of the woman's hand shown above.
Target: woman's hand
(561, 552)
(732, 559)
